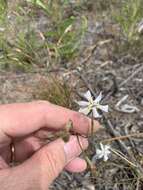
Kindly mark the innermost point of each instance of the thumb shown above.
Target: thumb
(39, 171)
(54, 157)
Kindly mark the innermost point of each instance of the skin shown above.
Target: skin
(26, 126)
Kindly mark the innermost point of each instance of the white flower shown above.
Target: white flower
(140, 27)
(92, 105)
(103, 152)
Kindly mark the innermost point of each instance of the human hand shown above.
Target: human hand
(24, 125)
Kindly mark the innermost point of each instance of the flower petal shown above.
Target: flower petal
(99, 154)
(108, 152)
(84, 111)
(103, 107)
(98, 99)
(95, 113)
(83, 103)
(107, 147)
(88, 95)
(105, 158)
(102, 146)
(98, 151)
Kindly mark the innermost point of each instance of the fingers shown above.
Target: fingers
(25, 148)
(25, 118)
(76, 165)
(5, 153)
(73, 148)
(44, 166)
(3, 163)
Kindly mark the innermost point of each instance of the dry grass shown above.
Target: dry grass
(55, 91)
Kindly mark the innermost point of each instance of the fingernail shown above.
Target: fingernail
(73, 149)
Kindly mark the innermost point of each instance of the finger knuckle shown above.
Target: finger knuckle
(80, 119)
(42, 102)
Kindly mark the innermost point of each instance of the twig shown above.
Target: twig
(90, 54)
(86, 83)
(131, 76)
(138, 184)
(123, 137)
(126, 131)
(115, 134)
(118, 154)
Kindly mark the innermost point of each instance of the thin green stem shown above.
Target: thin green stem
(89, 162)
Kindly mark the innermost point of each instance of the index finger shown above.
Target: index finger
(25, 118)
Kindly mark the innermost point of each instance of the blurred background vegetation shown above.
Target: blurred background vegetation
(39, 33)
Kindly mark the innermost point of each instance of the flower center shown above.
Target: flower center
(91, 104)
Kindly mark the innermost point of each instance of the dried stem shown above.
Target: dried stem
(122, 137)
(89, 162)
(120, 155)
(92, 125)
